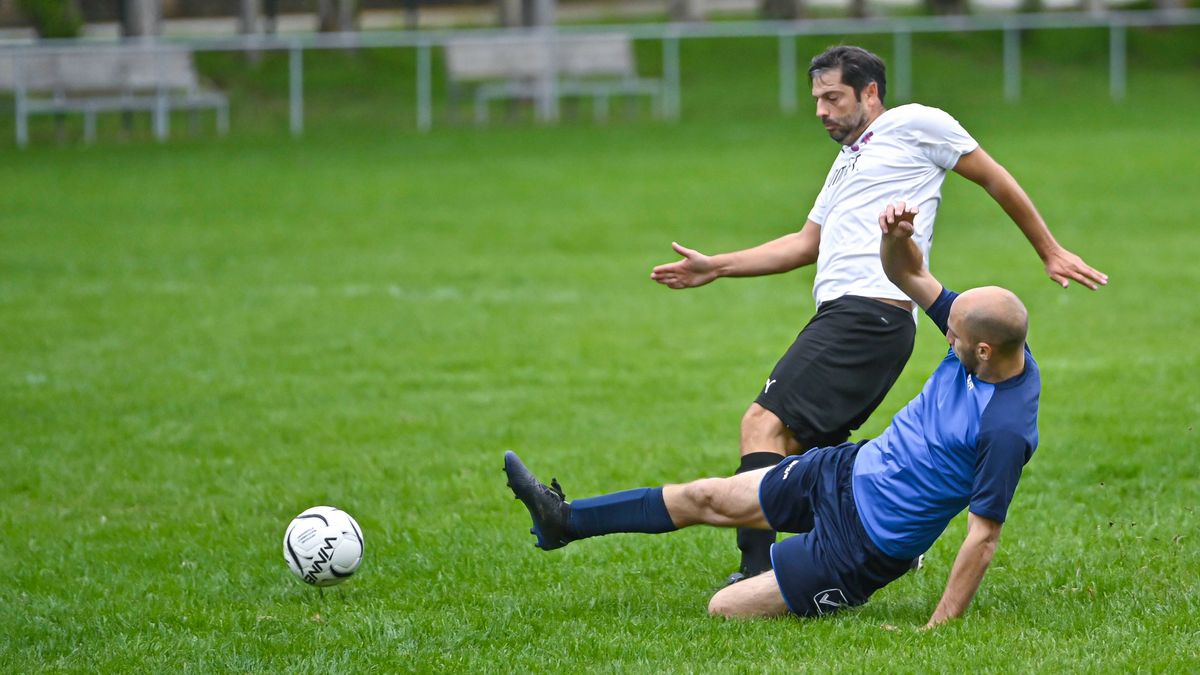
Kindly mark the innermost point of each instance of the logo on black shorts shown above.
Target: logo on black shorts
(829, 600)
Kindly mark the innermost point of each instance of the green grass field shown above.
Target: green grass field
(200, 339)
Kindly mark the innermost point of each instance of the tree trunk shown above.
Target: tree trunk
(526, 13)
(248, 16)
(946, 6)
(411, 14)
(686, 10)
(141, 17)
(783, 10)
(508, 13)
(337, 16)
(270, 16)
(544, 12)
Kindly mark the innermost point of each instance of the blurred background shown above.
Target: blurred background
(257, 255)
(72, 18)
(83, 70)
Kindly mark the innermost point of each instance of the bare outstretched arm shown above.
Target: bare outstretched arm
(902, 260)
(1062, 266)
(779, 255)
(974, 556)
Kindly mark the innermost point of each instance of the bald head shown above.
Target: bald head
(993, 315)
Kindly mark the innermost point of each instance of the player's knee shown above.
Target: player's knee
(719, 605)
(726, 604)
(702, 496)
(756, 597)
(763, 431)
(758, 419)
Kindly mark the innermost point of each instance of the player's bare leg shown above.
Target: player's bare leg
(721, 502)
(757, 596)
(765, 441)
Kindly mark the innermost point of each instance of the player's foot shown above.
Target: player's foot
(734, 578)
(917, 563)
(547, 504)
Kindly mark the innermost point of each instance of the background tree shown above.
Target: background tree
(53, 18)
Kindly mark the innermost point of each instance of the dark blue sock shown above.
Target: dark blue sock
(639, 510)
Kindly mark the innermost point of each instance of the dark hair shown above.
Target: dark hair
(859, 68)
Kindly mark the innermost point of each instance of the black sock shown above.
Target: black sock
(755, 545)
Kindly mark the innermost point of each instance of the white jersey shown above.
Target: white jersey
(903, 155)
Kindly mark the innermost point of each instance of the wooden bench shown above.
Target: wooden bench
(93, 80)
(600, 66)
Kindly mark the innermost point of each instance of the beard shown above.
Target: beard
(843, 127)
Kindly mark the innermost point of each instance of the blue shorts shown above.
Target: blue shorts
(831, 563)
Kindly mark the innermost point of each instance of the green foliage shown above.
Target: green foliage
(53, 18)
(201, 338)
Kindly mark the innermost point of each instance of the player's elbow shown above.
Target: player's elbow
(987, 548)
(984, 530)
(982, 549)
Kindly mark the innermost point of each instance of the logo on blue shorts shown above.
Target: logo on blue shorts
(829, 600)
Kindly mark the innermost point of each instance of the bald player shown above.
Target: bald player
(862, 511)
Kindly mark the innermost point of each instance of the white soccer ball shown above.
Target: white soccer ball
(323, 546)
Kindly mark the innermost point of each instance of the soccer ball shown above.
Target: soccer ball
(323, 546)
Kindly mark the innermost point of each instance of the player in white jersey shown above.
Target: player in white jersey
(848, 356)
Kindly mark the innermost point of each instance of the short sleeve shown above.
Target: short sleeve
(940, 137)
(1002, 456)
(939, 311)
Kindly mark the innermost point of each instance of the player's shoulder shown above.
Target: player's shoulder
(1014, 403)
(916, 110)
(918, 116)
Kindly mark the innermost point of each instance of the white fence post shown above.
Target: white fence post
(671, 75)
(1012, 63)
(547, 103)
(424, 88)
(1116, 60)
(787, 72)
(296, 88)
(162, 113)
(19, 102)
(902, 65)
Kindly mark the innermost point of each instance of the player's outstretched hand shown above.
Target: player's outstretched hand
(1063, 266)
(696, 269)
(897, 219)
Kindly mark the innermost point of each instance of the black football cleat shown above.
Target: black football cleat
(546, 503)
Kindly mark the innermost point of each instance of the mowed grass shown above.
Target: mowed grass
(198, 340)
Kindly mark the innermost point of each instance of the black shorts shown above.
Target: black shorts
(839, 369)
(832, 563)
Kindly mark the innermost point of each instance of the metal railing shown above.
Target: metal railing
(902, 30)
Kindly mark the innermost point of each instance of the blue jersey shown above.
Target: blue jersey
(961, 442)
